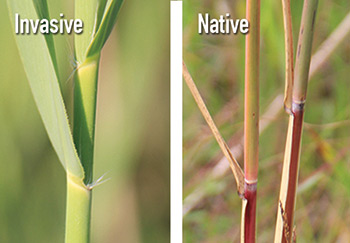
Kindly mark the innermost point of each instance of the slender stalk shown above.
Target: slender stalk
(248, 223)
(85, 89)
(85, 92)
(251, 99)
(322, 55)
(78, 212)
(285, 215)
(251, 121)
(303, 56)
(288, 43)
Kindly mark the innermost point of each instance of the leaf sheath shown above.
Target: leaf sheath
(78, 211)
(85, 93)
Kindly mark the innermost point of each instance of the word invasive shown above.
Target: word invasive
(223, 25)
(44, 26)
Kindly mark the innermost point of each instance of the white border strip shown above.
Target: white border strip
(176, 121)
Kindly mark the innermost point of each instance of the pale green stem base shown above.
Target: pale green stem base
(85, 93)
(78, 212)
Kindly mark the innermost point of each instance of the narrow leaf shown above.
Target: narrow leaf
(42, 10)
(108, 21)
(39, 67)
(100, 13)
(236, 169)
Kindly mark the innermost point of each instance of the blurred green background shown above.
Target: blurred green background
(132, 135)
(216, 62)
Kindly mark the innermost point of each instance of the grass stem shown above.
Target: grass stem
(288, 43)
(251, 121)
(303, 55)
(85, 92)
(285, 214)
(249, 213)
(251, 97)
(78, 211)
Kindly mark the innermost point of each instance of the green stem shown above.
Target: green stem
(78, 211)
(85, 92)
(78, 195)
(303, 56)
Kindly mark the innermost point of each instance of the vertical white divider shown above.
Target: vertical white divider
(176, 121)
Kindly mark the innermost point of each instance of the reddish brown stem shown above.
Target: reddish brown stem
(298, 114)
(250, 213)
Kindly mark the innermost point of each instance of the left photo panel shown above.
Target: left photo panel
(84, 121)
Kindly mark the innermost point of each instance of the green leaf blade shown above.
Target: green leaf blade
(41, 74)
(87, 12)
(107, 23)
(42, 10)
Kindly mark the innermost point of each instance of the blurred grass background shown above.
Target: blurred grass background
(132, 135)
(216, 63)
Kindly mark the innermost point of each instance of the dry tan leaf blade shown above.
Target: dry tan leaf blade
(235, 167)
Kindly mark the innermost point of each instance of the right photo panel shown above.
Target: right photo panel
(266, 121)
